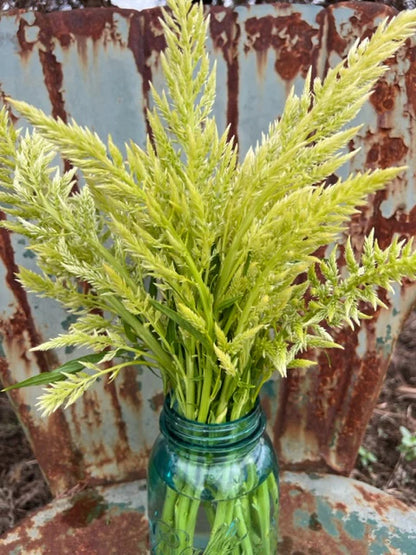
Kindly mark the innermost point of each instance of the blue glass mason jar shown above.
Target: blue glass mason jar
(213, 488)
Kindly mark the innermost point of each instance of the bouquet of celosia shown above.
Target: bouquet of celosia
(182, 259)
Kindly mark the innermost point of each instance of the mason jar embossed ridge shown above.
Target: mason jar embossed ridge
(213, 488)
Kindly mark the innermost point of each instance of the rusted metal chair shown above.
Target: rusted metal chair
(94, 66)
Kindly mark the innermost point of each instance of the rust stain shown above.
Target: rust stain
(64, 28)
(86, 507)
(340, 507)
(365, 391)
(156, 402)
(88, 23)
(384, 96)
(61, 461)
(122, 449)
(385, 228)
(26, 47)
(386, 151)
(146, 40)
(130, 387)
(52, 447)
(290, 36)
(52, 71)
(334, 41)
(410, 80)
(329, 408)
(87, 527)
(361, 23)
(53, 75)
(377, 501)
(225, 33)
(312, 535)
(23, 320)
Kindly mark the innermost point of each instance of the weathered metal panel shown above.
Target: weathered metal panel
(94, 521)
(328, 515)
(95, 65)
(325, 410)
(321, 515)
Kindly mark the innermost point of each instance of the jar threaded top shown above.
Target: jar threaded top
(200, 436)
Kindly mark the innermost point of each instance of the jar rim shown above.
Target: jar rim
(224, 436)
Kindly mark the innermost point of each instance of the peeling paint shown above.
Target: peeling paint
(317, 417)
(321, 515)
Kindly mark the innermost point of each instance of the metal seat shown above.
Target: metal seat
(321, 514)
(95, 65)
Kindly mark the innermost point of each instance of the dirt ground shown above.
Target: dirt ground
(396, 408)
(22, 487)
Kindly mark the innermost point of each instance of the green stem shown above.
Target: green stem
(223, 518)
(192, 519)
(263, 503)
(272, 484)
(224, 404)
(205, 404)
(190, 383)
(181, 521)
(242, 514)
(143, 332)
(168, 512)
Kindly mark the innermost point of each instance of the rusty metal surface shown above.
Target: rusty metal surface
(319, 415)
(95, 65)
(331, 515)
(320, 515)
(101, 521)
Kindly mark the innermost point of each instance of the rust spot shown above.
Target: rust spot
(26, 47)
(156, 402)
(23, 318)
(384, 96)
(364, 390)
(291, 37)
(61, 461)
(314, 523)
(70, 25)
(312, 537)
(361, 23)
(331, 396)
(335, 43)
(225, 33)
(285, 545)
(86, 507)
(122, 449)
(53, 75)
(130, 387)
(386, 152)
(108, 531)
(146, 39)
(378, 501)
(308, 535)
(410, 79)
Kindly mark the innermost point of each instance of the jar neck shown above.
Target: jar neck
(198, 436)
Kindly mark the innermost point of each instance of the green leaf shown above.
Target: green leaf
(70, 367)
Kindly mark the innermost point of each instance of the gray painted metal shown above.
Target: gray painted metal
(94, 66)
(321, 515)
